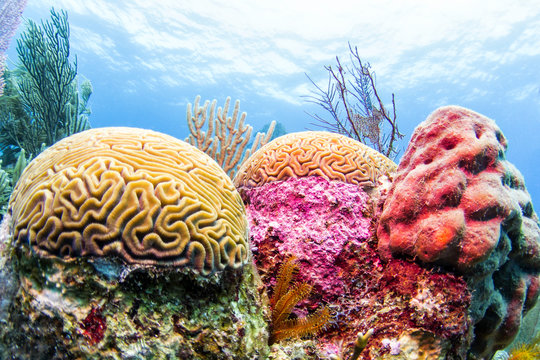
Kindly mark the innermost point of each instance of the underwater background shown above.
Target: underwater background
(147, 59)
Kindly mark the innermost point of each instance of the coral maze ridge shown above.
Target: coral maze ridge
(143, 196)
(314, 153)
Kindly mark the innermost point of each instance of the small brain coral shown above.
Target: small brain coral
(137, 194)
(314, 153)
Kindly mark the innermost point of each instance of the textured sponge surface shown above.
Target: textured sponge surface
(140, 195)
(314, 153)
(456, 200)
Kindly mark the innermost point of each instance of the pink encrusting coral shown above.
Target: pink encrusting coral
(457, 202)
(328, 227)
(317, 218)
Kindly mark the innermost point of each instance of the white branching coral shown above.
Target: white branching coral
(226, 136)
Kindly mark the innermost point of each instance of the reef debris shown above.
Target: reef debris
(128, 244)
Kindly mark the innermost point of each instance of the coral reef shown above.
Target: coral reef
(457, 202)
(137, 194)
(328, 227)
(224, 140)
(128, 244)
(94, 309)
(314, 153)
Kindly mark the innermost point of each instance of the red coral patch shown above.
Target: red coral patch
(93, 327)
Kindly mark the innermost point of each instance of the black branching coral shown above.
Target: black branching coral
(287, 295)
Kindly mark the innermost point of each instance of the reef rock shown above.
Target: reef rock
(456, 202)
(327, 224)
(128, 244)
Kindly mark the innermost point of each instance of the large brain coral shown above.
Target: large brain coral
(457, 202)
(143, 196)
(314, 153)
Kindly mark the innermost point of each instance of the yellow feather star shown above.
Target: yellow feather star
(286, 296)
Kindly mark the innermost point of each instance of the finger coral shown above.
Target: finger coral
(314, 153)
(225, 139)
(140, 195)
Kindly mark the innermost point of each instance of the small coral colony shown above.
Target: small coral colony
(125, 243)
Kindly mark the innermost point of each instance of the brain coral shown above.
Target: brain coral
(314, 153)
(457, 202)
(143, 196)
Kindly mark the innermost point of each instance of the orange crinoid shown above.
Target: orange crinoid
(287, 295)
